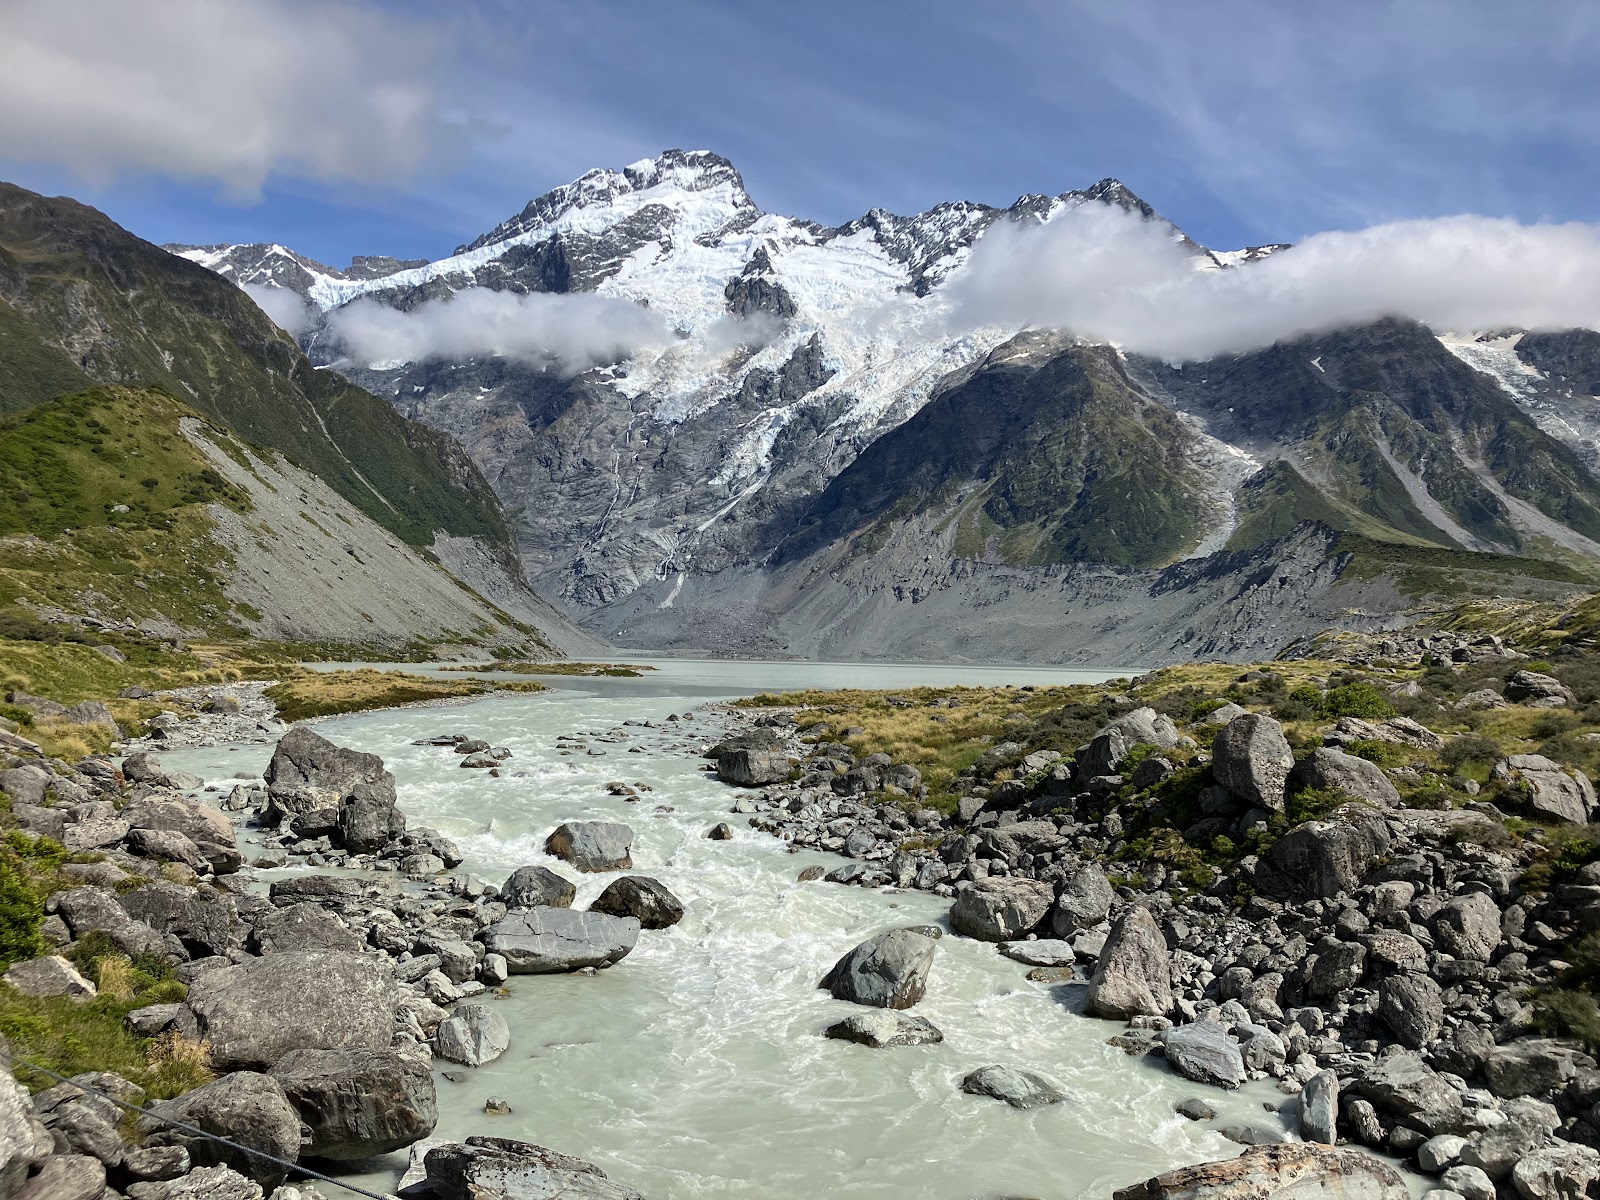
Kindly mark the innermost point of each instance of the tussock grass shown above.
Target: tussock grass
(309, 693)
(585, 669)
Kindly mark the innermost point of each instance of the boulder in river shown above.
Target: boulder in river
(1001, 910)
(881, 1029)
(537, 887)
(642, 897)
(245, 1107)
(358, 1103)
(548, 941)
(258, 1011)
(472, 1035)
(305, 759)
(1018, 1088)
(593, 845)
(485, 1166)
(748, 767)
(1133, 975)
(1285, 1171)
(1203, 1052)
(887, 971)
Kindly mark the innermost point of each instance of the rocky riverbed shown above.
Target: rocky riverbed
(1363, 977)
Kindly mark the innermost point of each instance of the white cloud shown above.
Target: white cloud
(287, 310)
(1108, 275)
(569, 333)
(224, 90)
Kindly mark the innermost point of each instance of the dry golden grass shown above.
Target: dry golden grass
(116, 978)
(306, 693)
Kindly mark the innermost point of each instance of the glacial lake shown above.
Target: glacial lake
(696, 1067)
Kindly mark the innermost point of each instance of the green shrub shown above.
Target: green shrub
(1308, 694)
(1564, 1012)
(1356, 700)
(21, 913)
(1469, 749)
(1311, 804)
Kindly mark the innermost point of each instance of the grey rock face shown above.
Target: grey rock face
(244, 1107)
(1530, 1067)
(1412, 1005)
(1018, 1088)
(303, 926)
(882, 1029)
(1326, 858)
(1319, 1108)
(1251, 758)
(1545, 789)
(24, 1141)
(1537, 690)
(1084, 902)
(304, 759)
(1356, 777)
(207, 1183)
(67, 1177)
(1108, 747)
(358, 1103)
(472, 1035)
(887, 971)
(1133, 976)
(1556, 1173)
(641, 897)
(95, 910)
(1203, 1052)
(1468, 927)
(368, 818)
(537, 887)
(1497, 1150)
(593, 845)
(205, 920)
(546, 941)
(483, 1166)
(1404, 1086)
(1338, 967)
(255, 1013)
(747, 767)
(1043, 952)
(207, 827)
(1001, 910)
(49, 976)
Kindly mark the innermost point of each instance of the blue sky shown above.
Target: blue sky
(405, 127)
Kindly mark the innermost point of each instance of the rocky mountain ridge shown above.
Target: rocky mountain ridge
(816, 393)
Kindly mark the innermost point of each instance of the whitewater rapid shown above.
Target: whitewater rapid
(696, 1067)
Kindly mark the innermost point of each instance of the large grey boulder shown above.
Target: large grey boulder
(1284, 1171)
(593, 845)
(245, 1107)
(304, 759)
(1251, 758)
(472, 1035)
(1497, 1150)
(1018, 1088)
(1001, 910)
(204, 825)
(1411, 1004)
(1563, 1172)
(1326, 858)
(214, 1183)
(1468, 927)
(1545, 788)
(548, 941)
(1203, 1052)
(1319, 1108)
(303, 926)
(204, 919)
(358, 1103)
(1085, 901)
(537, 887)
(87, 910)
(887, 971)
(881, 1029)
(1337, 967)
(51, 975)
(333, 890)
(1133, 975)
(1529, 1067)
(1355, 777)
(66, 1177)
(1537, 690)
(368, 818)
(750, 767)
(256, 1012)
(1404, 1086)
(642, 897)
(1106, 750)
(483, 1167)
